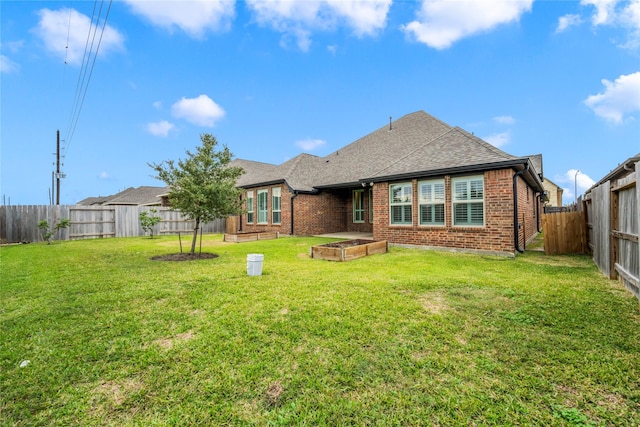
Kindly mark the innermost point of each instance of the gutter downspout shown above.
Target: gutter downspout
(516, 231)
(538, 198)
(295, 194)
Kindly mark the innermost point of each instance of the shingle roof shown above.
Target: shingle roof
(417, 143)
(254, 171)
(90, 201)
(454, 149)
(536, 162)
(145, 195)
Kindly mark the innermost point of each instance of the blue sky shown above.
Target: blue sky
(272, 79)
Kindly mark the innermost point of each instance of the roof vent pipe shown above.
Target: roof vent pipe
(390, 127)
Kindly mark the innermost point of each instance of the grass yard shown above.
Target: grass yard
(405, 338)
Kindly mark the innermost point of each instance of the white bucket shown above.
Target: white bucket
(254, 264)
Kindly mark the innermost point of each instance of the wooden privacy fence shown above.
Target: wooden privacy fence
(20, 223)
(613, 225)
(564, 233)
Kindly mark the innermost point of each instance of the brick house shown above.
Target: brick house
(416, 181)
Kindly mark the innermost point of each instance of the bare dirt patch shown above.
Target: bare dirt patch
(185, 257)
(433, 302)
(274, 393)
(167, 343)
(115, 392)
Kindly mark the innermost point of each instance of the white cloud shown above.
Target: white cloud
(8, 66)
(605, 11)
(194, 17)
(441, 23)
(504, 120)
(567, 21)
(104, 175)
(618, 13)
(55, 27)
(573, 181)
(201, 111)
(498, 139)
(298, 19)
(157, 105)
(161, 128)
(619, 98)
(310, 144)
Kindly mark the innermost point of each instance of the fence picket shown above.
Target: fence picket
(20, 223)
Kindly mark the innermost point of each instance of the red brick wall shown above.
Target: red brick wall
(496, 235)
(319, 213)
(332, 211)
(527, 215)
(285, 205)
(325, 212)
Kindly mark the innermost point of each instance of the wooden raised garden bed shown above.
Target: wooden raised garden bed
(347, 250)
(250, 236)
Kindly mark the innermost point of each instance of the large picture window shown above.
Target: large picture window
(250, 207)
(400, 203)
(468, 201)
(276, 205)
(262, 207)
(431, 202)
(358, 206)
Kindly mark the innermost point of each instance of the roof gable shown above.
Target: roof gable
(455, 149)
(415, 144)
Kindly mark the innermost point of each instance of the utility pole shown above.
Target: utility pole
(58, 167)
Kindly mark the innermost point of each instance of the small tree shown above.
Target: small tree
(148, 221)
(202, 186)
(48, 233)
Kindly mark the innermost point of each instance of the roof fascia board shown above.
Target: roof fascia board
(450, 171)
(263, 184)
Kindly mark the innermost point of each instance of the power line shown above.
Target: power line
(84, 80)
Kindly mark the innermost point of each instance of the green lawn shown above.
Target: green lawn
(406, 338)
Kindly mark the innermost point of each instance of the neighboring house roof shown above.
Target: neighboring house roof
(144, 196)
(93, 201)
(415, 145)
(552, 183)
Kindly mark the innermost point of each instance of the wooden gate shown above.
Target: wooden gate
(564, 233)
(92, 222)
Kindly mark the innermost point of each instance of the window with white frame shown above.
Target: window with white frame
(371, 205)
(358, 206)
(467, 197)
(250, 207)
(262, 207)
(276, 205)
(400, 200)
(431, 202)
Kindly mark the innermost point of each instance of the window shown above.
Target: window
(275, 205)
(370, 205)
(468, 201)
(400, 203)
(431, 202)
(358, 206)
(262, 207)
(250, 207)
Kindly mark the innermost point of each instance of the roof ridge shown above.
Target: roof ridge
(253, 161)
(382, 128)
